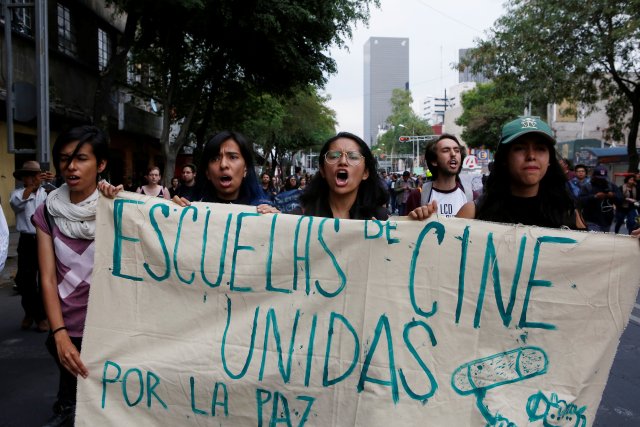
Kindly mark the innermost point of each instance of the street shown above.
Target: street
(29, 375)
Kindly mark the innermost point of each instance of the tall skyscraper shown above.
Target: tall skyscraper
(386, 67)
(467, 75)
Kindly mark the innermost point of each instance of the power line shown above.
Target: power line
(448, 16)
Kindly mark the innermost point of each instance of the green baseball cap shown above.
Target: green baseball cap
(524, 125)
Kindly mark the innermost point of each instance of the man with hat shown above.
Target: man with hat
(24, 202)
(597, 199)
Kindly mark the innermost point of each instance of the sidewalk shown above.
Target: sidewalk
(29, 375)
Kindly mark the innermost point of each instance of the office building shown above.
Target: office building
(386, 67)
(467, 75)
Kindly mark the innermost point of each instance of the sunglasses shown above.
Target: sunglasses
(353, 157)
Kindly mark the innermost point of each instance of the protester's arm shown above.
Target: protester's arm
(165, 193)
(468, 210)
(580, 225)
(19, 199)
(68, 354)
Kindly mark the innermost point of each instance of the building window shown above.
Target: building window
(66, 32)
(104, 49)
(21, 18)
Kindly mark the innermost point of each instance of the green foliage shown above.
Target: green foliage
(553, 50)
(486, 110)
(284, 124)
(205, 55)
(279, 125)
(403, 121)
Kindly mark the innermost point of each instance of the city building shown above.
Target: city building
(428, 110)
(466, 75)
(386, 67)
(81, 40)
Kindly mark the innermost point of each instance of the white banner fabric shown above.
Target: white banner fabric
(215, 315)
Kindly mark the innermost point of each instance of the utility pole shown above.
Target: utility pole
(445, 103)
(42, 78)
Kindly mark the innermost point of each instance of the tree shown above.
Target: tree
(486, 110)
(283, 125)
(571, 50)
(202, 51)
(402, 121)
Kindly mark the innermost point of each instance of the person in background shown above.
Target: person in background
(153, 187)
(626, 209)
(65, 226)
(403, 188)
(266, 183)
(579, 180)
(597, 199)
(526, 184)
(175, 183)
(346, 184)
(393, 200)
(303, 184)
(227, 174)
(275, 183)
(290, 184)
(24, 202)
(187, 188)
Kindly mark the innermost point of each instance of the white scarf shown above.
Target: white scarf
(75, 220)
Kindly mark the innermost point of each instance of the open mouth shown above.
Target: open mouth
(225, 180)
(341, 177)
(72, 179)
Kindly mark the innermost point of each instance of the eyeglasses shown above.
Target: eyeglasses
(353, 157)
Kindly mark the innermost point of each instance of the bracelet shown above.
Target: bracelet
(55, 331)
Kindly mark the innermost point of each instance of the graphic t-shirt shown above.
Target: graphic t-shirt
(449, 202)
(74, 265)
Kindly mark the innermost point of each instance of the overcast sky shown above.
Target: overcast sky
(436, 30)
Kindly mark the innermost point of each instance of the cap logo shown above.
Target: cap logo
(529, 123)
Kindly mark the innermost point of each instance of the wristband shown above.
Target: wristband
(55, 331)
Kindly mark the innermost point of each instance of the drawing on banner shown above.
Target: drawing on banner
(480, 375)
(555, 412)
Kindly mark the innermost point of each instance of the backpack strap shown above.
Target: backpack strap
(426, 193)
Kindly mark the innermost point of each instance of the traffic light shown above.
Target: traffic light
(403, 139)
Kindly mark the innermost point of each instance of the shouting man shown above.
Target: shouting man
(444, 159)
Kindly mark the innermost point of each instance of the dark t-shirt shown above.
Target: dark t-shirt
(526, 210)
(188, 193)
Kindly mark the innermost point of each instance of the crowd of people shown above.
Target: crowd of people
(528, 184)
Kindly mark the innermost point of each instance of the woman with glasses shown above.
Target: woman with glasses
(526, 185)
(346, 185)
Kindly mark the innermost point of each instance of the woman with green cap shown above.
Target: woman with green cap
(527, 185)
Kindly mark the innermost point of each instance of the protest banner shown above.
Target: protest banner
(215, 315)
